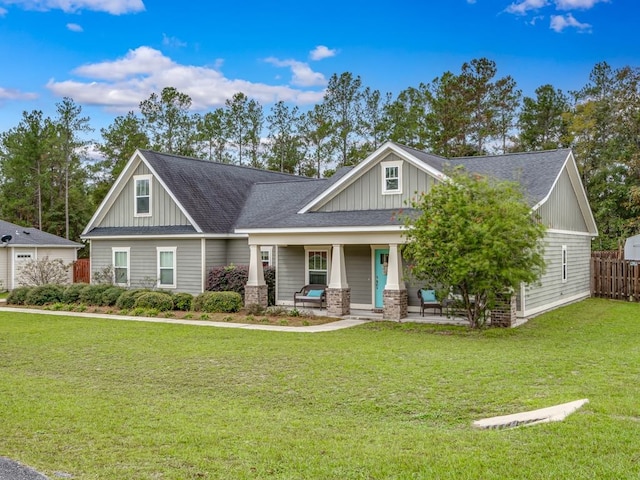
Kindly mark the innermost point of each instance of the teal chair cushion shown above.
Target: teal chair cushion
(314, 293)
(428, 295)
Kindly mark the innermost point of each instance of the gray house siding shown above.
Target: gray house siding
(552, 289)
(561, 210)
(365, 193)
(143, 261)
(238, 251)
(289, 272)
(164, 210)
(357, 259)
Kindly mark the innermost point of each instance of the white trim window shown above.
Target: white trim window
(266, 255)
(317, 266)
(142, 195)
(167, 267)
(391, 177)
(564, 264)
(121, 266)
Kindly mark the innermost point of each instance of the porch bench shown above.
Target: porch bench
(312, 293)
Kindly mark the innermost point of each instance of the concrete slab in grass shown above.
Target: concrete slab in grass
(533, 417)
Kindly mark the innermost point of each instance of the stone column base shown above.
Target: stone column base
(504, 312)
(256, 294)
(396, 305)
(338, 301)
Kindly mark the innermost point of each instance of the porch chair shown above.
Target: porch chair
(428, 300)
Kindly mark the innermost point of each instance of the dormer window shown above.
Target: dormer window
(391, 177)
(142, 201)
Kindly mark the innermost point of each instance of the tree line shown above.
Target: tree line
(48, 179)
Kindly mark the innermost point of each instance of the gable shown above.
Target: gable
(561, 211)
(366, 191)
(163, 209)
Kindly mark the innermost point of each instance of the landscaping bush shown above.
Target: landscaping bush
(217, 302)
(110, 296)
(160, 301)
(128, 298)
(92, 294)
(18, 295)
(233, 278)
(182, 301)
(71, 294)
(44, 294)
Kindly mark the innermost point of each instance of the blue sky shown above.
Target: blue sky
(108, 55)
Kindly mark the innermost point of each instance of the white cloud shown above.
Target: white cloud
(121, 85)
(114, 7)
(3, 12)
(12, 94)
(577, 4)
(172, 41)
(74, 27)
(559, 23)
(302, 74)
(321, 52)
(523, 7)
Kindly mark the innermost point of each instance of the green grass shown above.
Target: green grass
(104, 399)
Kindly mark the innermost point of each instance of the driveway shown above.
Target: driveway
(11, 470)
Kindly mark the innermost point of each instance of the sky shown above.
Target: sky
(109, 55)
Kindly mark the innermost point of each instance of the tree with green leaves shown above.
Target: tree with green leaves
(542, 121)
(315, 130)
(405, 118)
(212, 134)
(168, 123)
(285, 151)
(477, 236)
(244, 124)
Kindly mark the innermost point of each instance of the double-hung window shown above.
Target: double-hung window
(391, 177)
(265, 255)
(166, 267)
(142, 198)
(318, 266)
(121, 266)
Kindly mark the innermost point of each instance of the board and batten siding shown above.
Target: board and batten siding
(164, 211)
(143, 261)
(289, 273)
(365, 192)
(561, 211)
(553, 291)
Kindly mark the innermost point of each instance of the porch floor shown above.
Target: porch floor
(377, 316)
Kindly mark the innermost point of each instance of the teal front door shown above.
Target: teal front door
(381, 263)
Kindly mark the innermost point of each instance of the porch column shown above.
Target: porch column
(255, 291)
(396, 302)
(338, 291)
(504, 312)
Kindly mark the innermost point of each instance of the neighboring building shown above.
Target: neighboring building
(169, 219)
(632, 248)
(23, 244)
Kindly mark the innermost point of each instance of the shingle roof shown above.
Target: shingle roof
(29, 236)
(141, 231)
(212, 193)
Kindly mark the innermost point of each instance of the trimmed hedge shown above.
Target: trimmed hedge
(217, 302)
(44, 295)
(17, 296)
(161, 301)
(110, 296)
(182, 301)
(127, 299)
(92, 294)
(233, 278)
(71, 294)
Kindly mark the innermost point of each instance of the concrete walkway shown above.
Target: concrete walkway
(12, 470)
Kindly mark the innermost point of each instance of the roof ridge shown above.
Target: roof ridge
(534, 152)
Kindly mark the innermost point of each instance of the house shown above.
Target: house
(171, 218)
(632, 248)
(21, 244)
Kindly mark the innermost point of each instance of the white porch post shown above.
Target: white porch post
(396, 301)
(338, 291)
(256, 273)
(256, 290)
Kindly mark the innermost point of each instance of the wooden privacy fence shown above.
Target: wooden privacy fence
(81, 271)
(615, 278)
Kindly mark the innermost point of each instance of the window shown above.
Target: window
(564, 263)
(265, 255)
(167, 267)
(318, 266)
(121, 266)
(391, 177)
(142, 195)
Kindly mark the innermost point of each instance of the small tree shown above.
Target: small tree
(43, 271)
(476, 235)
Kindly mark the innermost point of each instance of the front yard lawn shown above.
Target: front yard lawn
(101, 399)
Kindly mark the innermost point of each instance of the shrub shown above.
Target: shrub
(128, 298)
(44, 294)
(182, 301)
(154, 300)
(110, 296)
(217, 302)
(42, 271)
(71, 294)
(92, 294)
(233, 278)
(18, 295)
